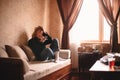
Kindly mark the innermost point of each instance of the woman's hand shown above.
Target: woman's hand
(42, 39)
(48, 46)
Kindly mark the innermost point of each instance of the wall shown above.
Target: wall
(54, 22)
(18, 18)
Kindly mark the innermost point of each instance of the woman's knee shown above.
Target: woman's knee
(55, 45)
(55, 40)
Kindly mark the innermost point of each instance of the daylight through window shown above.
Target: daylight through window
(87, 26)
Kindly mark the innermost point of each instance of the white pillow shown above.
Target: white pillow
(25, 66)
(3, 53)
(15, 51)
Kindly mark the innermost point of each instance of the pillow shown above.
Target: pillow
(3, 53)
(25, 66)
(15, 51)
(28, 52)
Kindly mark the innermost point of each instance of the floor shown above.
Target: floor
(81, 76)
(75, 75)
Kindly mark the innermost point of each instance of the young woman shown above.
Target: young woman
(42, 45)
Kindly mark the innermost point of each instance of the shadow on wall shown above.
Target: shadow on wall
(22, 39)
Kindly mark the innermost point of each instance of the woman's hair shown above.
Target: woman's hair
(37, 29)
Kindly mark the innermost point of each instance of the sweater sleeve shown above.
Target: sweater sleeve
(49, 39)
(36, 47)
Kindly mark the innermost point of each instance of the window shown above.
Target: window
(88, 24)
(106, 31)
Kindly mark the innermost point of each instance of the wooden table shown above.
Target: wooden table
(101, 71)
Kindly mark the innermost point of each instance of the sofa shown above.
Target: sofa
(89, 53)
(17, 62)
(90, 47)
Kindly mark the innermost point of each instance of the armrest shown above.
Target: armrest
(11, 69)
(65, 53)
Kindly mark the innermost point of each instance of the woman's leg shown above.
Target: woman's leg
(46, 54)
(54, 45)
(55, 48)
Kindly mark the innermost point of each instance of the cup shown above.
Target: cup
(111, 63)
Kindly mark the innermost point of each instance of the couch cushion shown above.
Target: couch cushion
(15, 51)
(3, 53)
(28, 52)
(25, 66)
(41, 69)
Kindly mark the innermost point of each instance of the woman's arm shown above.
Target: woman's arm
(48, 39)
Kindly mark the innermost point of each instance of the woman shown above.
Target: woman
(42, 45)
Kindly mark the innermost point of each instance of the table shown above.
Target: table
(101, 71)
(87, 59)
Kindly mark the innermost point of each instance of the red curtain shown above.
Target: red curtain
(69, 10)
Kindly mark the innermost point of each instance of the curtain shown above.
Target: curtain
(69, 10)
(111, 14)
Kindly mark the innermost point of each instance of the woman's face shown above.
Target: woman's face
(39, 33)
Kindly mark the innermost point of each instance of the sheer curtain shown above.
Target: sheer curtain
(69, 10)
(111, 14)
(86, 28)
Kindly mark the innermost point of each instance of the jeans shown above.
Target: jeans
(54, 45)
(48, 53)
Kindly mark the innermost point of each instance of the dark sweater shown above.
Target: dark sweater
(37, 46)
